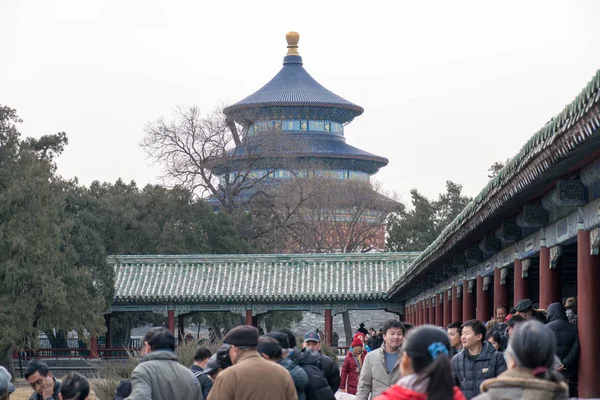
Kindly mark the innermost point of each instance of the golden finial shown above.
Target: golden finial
(292, 40)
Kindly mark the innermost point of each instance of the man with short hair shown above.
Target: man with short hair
(251, 377)
(512, 323)
(477, 362)
(271, 349)
(44, 385)
(329, 368)
(454, 332)
(381, 368)
(501, 313)
(159, 376)
(6, 387)
(201, 358)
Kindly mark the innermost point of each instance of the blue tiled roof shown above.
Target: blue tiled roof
(293, 86)
(319, 146)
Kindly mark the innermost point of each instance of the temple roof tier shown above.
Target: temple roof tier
(293, 86)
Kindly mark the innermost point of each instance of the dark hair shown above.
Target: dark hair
(431, 364)
(456, 325)
(202, 353)
(74, 387)
(269, 347)
(281, 338)
(477, 326)
(160, 338)
(514, 320)
(36, 366)
(533, 346)
(393, 323)
(290, 335)
(494, 335)
(503, 306)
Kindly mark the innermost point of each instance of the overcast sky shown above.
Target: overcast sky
(448, 87)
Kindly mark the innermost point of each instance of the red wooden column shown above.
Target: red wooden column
(549, 280)
(439, 310)
(468, 303)
(328, 326)
(426, 312)
(93, 347)
(419, 313)
(483, 302)
(248, 317)
(447, 309)
(500, 291)
(588, 321)
(107, 335)
(521, 284)
(456, 305)
(171, 321)
(432, 310)
(181, 327)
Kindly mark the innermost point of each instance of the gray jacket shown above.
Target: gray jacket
(160, 377)
(374, 378)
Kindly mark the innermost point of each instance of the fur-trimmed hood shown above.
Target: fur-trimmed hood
(520, 383)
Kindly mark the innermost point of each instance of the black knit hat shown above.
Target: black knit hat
(281, 338)
(243, 335)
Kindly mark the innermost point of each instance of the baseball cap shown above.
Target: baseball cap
(312, 337)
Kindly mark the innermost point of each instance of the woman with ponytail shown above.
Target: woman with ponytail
(425, 368)
(532, 367)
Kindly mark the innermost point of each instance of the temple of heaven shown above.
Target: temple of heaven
(294, 127)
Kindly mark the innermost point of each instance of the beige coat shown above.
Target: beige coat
(519, 383)
(374, 377)
(253, 378)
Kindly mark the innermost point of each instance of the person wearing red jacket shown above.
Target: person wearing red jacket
(352, 366)
(426, 373)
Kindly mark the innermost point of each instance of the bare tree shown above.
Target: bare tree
(206, 154)
(287, 203)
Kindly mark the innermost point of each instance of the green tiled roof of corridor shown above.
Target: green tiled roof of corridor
(256, 278)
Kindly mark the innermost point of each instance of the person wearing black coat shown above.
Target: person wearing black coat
(318, 387)
(477, 362)
(567, 340)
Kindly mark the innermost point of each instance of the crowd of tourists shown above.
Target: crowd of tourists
(521, 354)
